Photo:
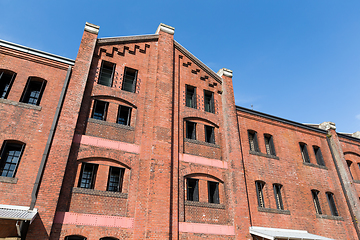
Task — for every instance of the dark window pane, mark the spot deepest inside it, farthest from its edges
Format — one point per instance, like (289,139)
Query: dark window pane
(209,134)
(253,141)
(318,155)
(129,81)
(99,110)
(10,158)
(190,130)
(6,79)
(304,153)
(106,74)
(278,197)
(213,191)
(209,101)
(316,201)
(115,179)
(87,175)
(192,189)
(33,91)
(191,96)
(331,201)
(124,115)
(269,144)
(75,238)
(259,192)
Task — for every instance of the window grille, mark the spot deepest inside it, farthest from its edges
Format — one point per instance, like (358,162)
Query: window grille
(278,197)
(259,191)
(33,91)
(87,175)
(10,158)
(269,144)
(253,141)
(115,179)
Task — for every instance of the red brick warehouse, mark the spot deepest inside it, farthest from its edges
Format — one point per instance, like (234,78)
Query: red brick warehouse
(138,139)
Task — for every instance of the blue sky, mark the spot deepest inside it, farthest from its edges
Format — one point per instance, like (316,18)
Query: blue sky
(295,59)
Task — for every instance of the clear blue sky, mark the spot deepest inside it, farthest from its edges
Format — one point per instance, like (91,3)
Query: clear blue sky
(295,59)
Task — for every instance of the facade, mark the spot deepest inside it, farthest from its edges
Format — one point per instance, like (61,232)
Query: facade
(138,139)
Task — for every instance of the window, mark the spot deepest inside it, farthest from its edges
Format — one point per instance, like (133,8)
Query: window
(108,238)
(87,175)
(348,162)
(75,237)
(209,101)
(129,81)
(124,115)
(192,189)
(213,191)
(10,157)
(331,201)
(190,96)
(253,141)
(99,110)
(190,130)
(259,191)
(278,198)
(209,134)
(6,80)
(115,179)
(106,73)
(304,152)
(269,144)
(316,201)
(33,91)
(318,155)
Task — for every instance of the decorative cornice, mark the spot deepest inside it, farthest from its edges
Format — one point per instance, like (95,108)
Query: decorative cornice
(226,72)
(165,28)
(92,28)
(197,62)
(128,39)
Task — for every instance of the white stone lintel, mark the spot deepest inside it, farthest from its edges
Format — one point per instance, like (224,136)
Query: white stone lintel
(327,125)
(92,28)
(165,28)
(226,72)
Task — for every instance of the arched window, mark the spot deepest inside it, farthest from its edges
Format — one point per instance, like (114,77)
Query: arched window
(259,192)
(316,201)
(109,238)
(318,155)
(253,142)
(75,237)
(304,152)
(332,205)
(33,91)
(11,152)
(269,144)
(278,197)
(6,80)
(348,162)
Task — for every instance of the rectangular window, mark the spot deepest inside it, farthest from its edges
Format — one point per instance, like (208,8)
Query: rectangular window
(209,101)
(100,110)
(190,130)
(209,134)
(106,73)
(87,175)
(269,144)
(190,96)
(6,80)
(316,201)
(331,201)
(115,179)
(10,158)
(318,155)
(253,141)
(278,198)
(213,191)
(129,81)
(304,152)
(124,115)
(259,192)
(192,189)
(33,91)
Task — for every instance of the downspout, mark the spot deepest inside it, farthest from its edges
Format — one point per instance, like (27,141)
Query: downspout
(49,141)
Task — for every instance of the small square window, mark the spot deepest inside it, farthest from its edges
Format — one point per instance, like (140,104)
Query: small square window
(209,101)
(33,91)
(259,191)
(209,134)
(332,205)
(192,189)
(129,80)
(213,191)
(318,155)
(304,152)
(278,198)
(106,73)
(190,130)
(6,80)
(124,115)
(115,179)
(87,175)
(269,144)
(253,143)
(100,110)
(316,201)
(10,158)
(190,96)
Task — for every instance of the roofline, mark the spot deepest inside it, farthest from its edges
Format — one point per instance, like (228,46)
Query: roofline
(197,61)
(348,137)
(36,52)
(136,38)
(282,120)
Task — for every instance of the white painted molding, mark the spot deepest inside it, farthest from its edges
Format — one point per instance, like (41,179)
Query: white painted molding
(327,125)
(165,28)
(226,72)
(92,28)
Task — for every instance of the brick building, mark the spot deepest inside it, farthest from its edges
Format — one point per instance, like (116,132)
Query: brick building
(138,139)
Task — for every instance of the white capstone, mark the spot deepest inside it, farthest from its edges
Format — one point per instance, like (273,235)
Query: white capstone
(92,28)
(165,28)
(356,134)
(327,125)
(226,72)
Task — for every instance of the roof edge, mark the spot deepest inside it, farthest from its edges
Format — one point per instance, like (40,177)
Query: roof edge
(197,61)
(135,38)
(349,137)
(36,52)
(278,119)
